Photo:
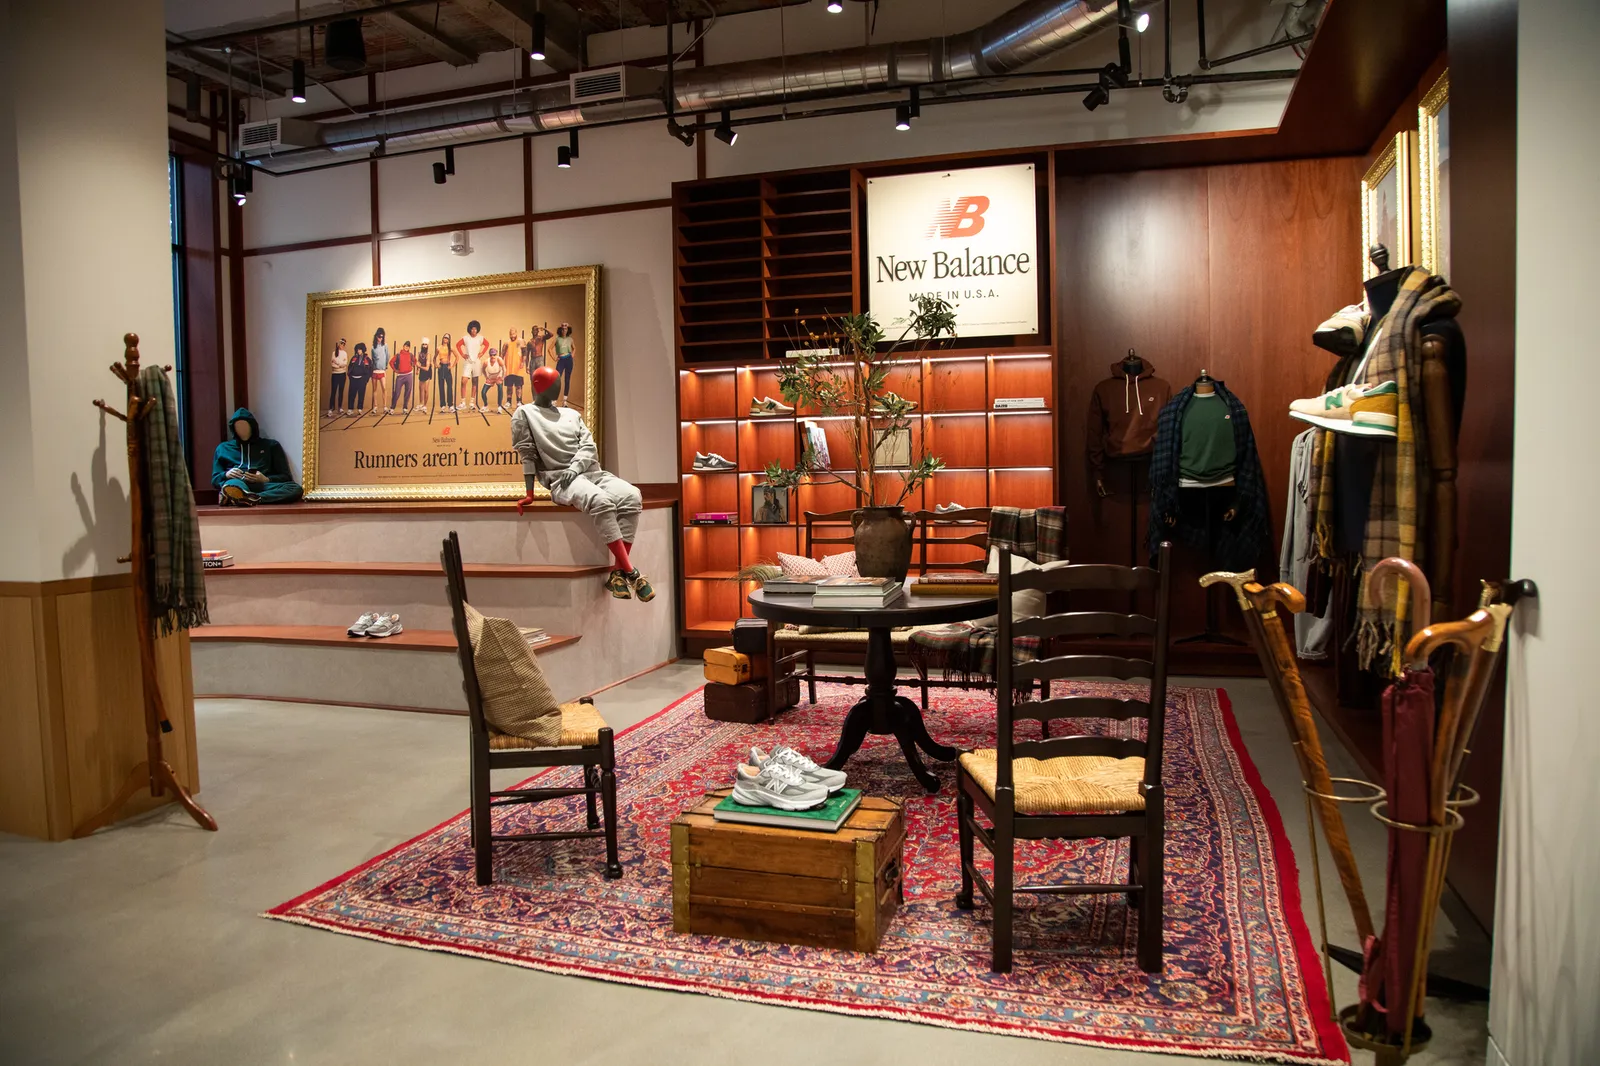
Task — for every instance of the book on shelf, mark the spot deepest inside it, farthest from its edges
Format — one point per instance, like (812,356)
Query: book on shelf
(533,634)
(1019,403)
(216,558)
(714,518)
(793,353)
(824,819)
(217,564)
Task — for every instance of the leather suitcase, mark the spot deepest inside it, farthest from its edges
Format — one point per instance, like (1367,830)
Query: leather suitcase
(750,636)
(792,886)
(737,703)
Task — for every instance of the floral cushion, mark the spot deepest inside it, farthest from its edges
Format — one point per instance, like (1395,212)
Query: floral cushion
(801,566)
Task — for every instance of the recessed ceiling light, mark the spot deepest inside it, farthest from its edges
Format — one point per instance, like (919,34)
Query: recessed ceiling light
(1142,23)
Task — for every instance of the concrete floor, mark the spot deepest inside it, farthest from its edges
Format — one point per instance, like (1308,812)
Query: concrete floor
(143,942)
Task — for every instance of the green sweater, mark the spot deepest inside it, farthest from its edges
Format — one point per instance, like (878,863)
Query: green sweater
(1207,453)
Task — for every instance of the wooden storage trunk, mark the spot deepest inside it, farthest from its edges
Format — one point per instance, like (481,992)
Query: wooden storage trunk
(792,886)
(749,702)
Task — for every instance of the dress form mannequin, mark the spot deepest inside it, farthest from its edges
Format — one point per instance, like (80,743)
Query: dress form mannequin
(1203,386)
(559,453)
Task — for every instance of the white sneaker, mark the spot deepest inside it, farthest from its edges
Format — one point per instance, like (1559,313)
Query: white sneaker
(711,461)
(387,625)
(768,406)
(362,624)
(946,508)
(783,755)
(776,785)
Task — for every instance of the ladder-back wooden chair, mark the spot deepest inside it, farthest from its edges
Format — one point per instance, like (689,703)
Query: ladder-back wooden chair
(1078,786)
(586,741)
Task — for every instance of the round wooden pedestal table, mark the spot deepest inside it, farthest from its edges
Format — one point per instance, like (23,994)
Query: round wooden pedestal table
(882,710)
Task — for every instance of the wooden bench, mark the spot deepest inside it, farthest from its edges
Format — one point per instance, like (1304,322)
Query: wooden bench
(957,540)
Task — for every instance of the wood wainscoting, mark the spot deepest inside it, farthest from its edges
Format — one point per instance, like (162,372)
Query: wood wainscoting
(70,706)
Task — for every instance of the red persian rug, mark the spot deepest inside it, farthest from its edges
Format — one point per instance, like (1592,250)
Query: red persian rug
(1242,979)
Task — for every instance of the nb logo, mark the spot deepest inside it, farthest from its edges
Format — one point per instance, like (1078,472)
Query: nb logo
(961,217)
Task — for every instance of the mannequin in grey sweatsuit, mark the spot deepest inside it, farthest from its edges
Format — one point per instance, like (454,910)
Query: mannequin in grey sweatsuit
(559,452)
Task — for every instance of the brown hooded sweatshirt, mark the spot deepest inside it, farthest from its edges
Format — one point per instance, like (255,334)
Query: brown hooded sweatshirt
(1122,414)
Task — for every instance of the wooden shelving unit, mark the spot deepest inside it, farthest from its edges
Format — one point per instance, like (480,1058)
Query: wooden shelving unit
(1003,458)
(754,257)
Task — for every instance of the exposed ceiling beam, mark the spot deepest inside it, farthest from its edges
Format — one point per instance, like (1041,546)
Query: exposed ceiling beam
(245,79)
(320,15)
(563,36)
(419,33)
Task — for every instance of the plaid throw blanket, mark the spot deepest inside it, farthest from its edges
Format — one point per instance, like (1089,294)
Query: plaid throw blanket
(966,651)
(1039,533)
(177,576)
(1402,479)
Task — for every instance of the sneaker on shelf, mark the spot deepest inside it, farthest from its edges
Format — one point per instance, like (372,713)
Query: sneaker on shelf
(387,625)
(893,400)
(768,406)
(711,461)
(776,785)
(617,585)
(641,586)
(1360,410)
(946,508)
(362,624)
(783,755)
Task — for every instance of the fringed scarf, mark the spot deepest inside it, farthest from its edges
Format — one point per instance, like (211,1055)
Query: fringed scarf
(177,575)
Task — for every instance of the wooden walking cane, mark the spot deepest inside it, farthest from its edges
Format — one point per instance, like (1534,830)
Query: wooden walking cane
(1260,606)
(155,772)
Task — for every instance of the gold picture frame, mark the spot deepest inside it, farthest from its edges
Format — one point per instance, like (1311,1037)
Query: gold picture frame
(1433,165)
(428,456)
(1386,205)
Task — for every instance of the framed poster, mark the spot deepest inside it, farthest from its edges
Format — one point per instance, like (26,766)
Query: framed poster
(431,374)
(1386,205)
(1433,151)
(971,236)
(769,505)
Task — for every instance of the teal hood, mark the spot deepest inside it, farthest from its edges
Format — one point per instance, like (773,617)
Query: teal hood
(257,453)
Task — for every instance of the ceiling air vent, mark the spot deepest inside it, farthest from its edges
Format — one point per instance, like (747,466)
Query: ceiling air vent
(263,137)
(614,83)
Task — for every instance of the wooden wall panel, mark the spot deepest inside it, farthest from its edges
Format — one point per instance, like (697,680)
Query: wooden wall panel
(1225,268)
(23,805)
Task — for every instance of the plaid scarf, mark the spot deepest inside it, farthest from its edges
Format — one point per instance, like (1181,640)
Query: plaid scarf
(1402,478)
(177,576)
(1239,543)
(1038,533)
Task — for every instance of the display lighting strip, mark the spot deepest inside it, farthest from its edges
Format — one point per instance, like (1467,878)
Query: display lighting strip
(1024,411)
(1040,355)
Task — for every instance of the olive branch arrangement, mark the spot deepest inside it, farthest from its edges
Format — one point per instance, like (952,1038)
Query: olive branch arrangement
(853,385)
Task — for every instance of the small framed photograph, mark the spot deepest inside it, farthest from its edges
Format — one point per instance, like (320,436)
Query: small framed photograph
(1433,162)
(1386,205)
(891,446)
(769,505)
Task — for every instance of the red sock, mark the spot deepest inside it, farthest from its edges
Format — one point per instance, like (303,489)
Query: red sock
(619,552)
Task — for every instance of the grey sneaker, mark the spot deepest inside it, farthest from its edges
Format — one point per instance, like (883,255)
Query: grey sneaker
(783,755)
(711,461)
(387,625)
(362,624)
(776,785)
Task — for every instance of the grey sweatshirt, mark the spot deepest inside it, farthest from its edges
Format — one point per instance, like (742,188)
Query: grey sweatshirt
(554,444)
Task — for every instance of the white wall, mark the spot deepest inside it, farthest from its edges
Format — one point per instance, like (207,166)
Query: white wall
(1546,984)
(86,167)
(19,545)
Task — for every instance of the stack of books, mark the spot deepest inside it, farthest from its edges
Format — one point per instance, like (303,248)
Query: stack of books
(1019,403)
(966,583)
(714,518)
(826,818)
(854,592)
(534,635)
(790,589)
(216,560)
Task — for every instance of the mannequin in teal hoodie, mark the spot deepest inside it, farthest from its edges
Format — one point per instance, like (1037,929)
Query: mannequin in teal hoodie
(249,468)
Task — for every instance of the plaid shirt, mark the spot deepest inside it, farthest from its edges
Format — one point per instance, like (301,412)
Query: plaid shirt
(1239,544)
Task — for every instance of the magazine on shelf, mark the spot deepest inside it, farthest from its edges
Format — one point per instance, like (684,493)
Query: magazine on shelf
(825,819)
(1019,403)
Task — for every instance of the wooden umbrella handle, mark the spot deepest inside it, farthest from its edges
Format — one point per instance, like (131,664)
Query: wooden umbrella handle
(1416,581)
(1254,596)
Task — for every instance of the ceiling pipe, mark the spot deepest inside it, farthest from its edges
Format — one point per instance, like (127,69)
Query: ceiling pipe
(1029,32)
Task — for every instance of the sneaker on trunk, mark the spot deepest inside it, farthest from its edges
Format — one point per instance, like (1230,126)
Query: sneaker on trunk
(776,785)
(1360,410)
(783,755)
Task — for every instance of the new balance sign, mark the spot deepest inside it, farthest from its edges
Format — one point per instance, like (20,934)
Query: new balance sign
(970,236)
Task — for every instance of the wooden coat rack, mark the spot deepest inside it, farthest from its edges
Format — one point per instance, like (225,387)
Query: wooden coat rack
(155,772)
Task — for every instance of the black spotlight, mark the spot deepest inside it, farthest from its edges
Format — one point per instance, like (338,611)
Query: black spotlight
(241,183)
(902,117)
(439,174)
(572,143)
(298,75)
(915,103)
(563,156)
(536,48)
(449,159)
(1112,76)
(1096,97)
(725,131)
(343,47)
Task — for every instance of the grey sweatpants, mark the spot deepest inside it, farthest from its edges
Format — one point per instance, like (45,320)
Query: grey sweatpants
(613,503)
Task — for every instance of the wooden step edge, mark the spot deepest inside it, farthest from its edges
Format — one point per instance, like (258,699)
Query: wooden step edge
(390,569)
(336,637)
